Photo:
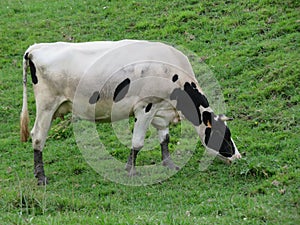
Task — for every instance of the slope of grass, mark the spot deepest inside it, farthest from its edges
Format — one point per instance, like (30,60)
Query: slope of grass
(252,47)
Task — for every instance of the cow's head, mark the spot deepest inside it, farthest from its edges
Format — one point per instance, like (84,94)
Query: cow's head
(217,136)
(211,128)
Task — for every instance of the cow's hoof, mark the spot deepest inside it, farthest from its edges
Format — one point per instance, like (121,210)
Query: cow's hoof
(42,181)
(169,163)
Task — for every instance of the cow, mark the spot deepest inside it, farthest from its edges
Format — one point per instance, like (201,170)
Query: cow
(151,81)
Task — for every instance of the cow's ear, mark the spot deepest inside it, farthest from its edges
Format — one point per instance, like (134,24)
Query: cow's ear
(224,118)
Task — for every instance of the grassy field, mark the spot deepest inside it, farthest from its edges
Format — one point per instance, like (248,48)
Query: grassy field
(251,46)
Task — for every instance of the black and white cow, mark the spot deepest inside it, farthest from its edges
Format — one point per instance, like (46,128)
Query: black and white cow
(110,81)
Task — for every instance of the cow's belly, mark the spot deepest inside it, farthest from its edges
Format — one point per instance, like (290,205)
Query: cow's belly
(108,111)
(103,111)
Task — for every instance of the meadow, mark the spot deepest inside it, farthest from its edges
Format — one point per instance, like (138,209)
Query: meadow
(252,48)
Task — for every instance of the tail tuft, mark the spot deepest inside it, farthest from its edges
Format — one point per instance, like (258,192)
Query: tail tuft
(24,122)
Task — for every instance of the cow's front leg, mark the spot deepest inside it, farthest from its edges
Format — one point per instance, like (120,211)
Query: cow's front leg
(164,142)
(130,166)
(143,117)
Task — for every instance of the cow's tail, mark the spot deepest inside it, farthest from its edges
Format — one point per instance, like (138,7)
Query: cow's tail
(24,119)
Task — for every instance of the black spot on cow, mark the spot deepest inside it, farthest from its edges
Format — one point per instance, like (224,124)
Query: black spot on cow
(213,139)
(175,78)
(186,105)
(218,136)
(189,101)
(32,71)
(207,135)
(148,107)
(207,117)
(121,90)
(26,56)
(227,148)
(95,97)
(135,119)
(196,96)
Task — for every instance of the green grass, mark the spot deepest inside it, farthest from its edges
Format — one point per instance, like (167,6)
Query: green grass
(252,47)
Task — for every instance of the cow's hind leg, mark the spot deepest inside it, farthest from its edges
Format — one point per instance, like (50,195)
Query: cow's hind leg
(39,134)
(39,172)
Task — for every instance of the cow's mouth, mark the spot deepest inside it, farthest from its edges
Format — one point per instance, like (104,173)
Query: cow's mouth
(226,160)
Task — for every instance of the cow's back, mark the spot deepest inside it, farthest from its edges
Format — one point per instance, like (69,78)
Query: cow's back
(74,59)
(82,69)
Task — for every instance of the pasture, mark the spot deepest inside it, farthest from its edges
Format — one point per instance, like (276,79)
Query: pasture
(252,49)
